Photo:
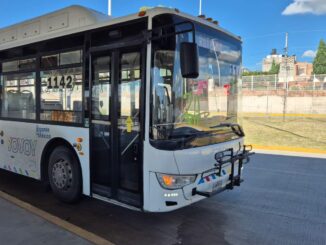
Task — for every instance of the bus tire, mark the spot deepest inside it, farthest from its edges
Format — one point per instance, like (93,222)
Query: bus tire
(65,175)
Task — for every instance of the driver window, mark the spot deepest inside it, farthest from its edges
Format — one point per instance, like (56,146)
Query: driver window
(162,89)
(18,95)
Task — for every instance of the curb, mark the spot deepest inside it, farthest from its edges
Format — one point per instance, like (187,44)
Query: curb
(289,149)
(89,236)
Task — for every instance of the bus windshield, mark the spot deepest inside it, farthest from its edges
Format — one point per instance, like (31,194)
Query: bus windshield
(194,112)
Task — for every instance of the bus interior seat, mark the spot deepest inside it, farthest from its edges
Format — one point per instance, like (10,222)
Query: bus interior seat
(20,103)
(77,105)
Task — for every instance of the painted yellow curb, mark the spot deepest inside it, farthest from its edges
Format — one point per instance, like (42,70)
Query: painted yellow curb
(258,114)
(288,148)
(91,237)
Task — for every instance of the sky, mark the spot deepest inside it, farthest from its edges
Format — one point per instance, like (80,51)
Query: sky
(261,23)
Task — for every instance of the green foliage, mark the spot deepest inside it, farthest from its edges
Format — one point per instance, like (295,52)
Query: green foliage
(275,68)
(254,73)
(320,59)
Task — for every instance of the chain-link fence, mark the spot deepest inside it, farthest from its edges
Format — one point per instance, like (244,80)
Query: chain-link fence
(275,82)
(287,112)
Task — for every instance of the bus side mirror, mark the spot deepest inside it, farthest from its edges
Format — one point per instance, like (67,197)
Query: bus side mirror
(189,60)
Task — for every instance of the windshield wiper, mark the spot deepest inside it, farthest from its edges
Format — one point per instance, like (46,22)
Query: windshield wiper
(236,128)
(190,135)
(188,138)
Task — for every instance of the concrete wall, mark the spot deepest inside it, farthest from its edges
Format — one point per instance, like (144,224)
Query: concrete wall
(275,104)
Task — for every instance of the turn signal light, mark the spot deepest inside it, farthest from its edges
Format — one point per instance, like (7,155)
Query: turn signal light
(168,180)
(172,182)
(142,13)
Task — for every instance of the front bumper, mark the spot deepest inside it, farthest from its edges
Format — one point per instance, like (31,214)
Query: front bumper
(225,175)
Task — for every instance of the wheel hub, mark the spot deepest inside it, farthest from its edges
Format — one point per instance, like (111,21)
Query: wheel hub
(62,174)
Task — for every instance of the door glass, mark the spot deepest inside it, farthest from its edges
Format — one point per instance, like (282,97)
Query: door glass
(101,90)
(101,125)
(128,123)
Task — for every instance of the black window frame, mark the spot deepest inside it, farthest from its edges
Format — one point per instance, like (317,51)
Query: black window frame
(176,19)
(38,52)
(19,72)
(85,41)
(62,67)
(59,52)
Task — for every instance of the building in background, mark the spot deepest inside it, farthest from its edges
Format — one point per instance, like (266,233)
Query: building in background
(245,70)
(303,71)
(269,59)
(290,68)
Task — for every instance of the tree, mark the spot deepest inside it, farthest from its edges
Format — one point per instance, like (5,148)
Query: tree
(275,68)
(320,59)
(254,73)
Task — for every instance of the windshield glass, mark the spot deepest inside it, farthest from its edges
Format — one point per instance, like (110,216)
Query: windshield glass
(185,112)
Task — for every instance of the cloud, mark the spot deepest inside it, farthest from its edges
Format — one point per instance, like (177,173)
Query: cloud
(309,54)
(317,7)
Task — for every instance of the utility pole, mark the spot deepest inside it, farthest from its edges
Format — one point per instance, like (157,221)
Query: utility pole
(200,7)
(286,51)
(109,8)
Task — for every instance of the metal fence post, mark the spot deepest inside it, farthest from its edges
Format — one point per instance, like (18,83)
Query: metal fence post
(252,83)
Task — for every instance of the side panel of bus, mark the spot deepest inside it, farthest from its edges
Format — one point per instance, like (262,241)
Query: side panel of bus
(22,145)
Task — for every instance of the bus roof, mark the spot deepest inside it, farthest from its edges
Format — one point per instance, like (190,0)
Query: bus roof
(74,19)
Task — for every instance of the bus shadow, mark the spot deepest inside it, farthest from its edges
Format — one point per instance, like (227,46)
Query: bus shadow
(195,224)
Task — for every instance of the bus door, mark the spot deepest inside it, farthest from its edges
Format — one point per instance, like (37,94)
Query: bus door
(116,145)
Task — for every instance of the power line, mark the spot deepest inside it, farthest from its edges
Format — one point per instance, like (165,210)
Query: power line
(265,35)
(305,31)
(282,33)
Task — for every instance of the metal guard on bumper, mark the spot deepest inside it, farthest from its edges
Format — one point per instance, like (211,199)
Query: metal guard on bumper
(226,157)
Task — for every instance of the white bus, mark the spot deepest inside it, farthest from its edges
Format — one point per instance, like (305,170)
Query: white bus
(140,111)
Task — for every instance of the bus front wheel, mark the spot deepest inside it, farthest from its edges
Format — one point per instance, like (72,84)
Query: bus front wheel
(65,175)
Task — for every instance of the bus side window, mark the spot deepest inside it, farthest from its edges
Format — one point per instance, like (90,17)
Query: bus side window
(61,95)
(61,87)
(18,96)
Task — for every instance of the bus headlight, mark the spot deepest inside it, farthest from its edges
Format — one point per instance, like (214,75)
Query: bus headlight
(173,182)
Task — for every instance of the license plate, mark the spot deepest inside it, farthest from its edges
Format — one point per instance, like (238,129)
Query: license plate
(217,185)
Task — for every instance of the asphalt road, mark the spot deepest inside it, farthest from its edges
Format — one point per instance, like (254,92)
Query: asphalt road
(282,201)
